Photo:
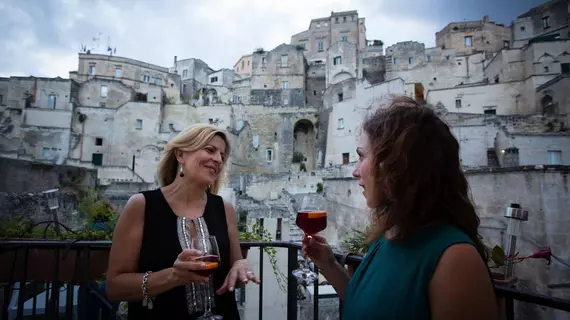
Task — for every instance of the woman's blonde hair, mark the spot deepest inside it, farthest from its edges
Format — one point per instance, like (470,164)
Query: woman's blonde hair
(193,138)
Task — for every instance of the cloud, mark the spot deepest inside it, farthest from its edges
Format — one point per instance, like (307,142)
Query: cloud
(42,38)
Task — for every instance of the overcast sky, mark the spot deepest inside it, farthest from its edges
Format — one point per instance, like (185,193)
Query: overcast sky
(42,37)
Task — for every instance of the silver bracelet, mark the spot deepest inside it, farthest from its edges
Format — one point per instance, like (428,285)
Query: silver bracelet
(146,301)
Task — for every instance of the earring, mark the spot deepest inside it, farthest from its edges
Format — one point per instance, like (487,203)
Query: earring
(181,173)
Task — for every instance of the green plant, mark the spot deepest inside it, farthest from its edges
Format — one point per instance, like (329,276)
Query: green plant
(259,234)
(170,100)
(300,47)
(259,50)
(499,257)
(303,167)
(96,208)
(355,242)
(319,187)
(196,95)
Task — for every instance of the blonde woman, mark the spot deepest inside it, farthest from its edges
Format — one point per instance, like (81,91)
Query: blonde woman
(147,265)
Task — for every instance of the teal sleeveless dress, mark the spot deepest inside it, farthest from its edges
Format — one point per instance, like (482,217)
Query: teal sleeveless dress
(392,282)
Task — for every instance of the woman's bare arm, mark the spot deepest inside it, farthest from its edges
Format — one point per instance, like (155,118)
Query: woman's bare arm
(461,287)
(123,283)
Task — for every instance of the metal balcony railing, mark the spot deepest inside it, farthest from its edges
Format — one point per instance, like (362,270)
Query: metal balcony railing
(58,280)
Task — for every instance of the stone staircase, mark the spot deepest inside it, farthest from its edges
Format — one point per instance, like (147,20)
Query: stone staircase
(295,234)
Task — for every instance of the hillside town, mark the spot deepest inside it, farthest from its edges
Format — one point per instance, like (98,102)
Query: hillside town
(293,114)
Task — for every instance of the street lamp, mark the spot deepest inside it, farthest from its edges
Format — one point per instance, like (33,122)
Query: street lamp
(515,215)
(53,204)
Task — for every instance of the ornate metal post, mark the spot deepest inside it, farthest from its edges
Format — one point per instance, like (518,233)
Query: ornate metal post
(515,215)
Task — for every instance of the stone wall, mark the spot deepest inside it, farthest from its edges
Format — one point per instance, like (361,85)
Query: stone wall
(19,176)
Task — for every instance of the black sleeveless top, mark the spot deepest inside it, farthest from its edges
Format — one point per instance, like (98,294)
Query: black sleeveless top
(160,248)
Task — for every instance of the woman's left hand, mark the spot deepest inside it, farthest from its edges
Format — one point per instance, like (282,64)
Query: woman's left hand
(239,272)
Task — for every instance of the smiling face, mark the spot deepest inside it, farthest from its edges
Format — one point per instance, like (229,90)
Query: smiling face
(362,171)
(204,165)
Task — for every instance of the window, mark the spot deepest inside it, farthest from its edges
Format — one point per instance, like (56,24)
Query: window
(92,70)
(185,73)
(428,58)
(147,79)
(546,69)
(102,104)
(468,41)
(490,112)
(158,81)
(98,141)
(213,79)
(337,60)
(1,99)
(340,123)
(285,102)
(97,159)
(321,44)
(522,28)
(395,60)
(546,22)
(343,19)
(345,38)
(46,154)
(345,158)
(236,99)
(284,61)
(239,124)
(285,85)
(411,60)
(103,91)
(506,44)
(340,97)
(51,101)
(335,20)
(314,92)
(458,103)
(278,230)
(554,157)
(243,64)
(269,155)
(263,60)
(565,68)
(139,124)
(118,72)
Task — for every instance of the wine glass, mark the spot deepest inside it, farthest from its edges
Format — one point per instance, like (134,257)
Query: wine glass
(312,219)
(211,258)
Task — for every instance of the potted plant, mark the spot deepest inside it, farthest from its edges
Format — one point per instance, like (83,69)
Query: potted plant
(499,259)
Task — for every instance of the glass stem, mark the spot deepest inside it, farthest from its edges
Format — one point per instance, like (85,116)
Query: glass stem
(207,299)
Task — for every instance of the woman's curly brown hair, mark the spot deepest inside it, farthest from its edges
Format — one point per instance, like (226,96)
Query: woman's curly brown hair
(418,176)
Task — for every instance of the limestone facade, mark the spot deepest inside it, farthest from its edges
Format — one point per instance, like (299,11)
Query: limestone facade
(549,20)
(468,37)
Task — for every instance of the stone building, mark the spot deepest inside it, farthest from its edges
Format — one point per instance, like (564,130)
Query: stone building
(243,66)
(278,77)
(324,32)
(468,37)
(527,80)
(548,20)
(150,82)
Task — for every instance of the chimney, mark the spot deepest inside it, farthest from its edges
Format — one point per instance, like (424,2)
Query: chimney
(175,59)
(485,18)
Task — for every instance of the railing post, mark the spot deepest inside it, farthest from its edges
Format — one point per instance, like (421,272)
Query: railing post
(291,283)
(316,295)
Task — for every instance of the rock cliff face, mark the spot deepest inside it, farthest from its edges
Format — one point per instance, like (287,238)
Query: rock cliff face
(34,206)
